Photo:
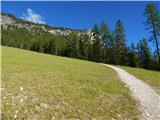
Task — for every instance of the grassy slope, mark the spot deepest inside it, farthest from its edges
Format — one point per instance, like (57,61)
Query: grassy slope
(149,76)
(61,88)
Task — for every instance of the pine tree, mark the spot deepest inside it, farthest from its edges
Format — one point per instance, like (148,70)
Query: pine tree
(104,33)
(95,46)
(155,64)
(120,43)
(71,48)
(49,47)
(96,50)
(144,54)
(110,50)
(83,47)
(132,56)
(153,22)
(95,29)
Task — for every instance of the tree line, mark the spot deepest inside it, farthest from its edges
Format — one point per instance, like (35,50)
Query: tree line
(107,47)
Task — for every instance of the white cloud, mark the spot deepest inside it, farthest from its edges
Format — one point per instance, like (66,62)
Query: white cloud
(32,17)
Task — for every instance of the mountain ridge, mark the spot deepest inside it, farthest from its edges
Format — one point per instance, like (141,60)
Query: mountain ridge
(10,20)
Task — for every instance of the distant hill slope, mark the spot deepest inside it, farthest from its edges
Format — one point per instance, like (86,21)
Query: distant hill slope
(46,39)
(9,21)
(44,87)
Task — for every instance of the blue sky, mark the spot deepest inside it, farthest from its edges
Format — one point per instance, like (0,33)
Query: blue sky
(82,15)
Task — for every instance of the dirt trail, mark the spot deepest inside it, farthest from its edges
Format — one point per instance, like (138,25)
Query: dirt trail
(149,100)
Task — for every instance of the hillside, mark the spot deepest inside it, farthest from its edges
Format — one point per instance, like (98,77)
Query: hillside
(39,86)
(99,44)
(10,22)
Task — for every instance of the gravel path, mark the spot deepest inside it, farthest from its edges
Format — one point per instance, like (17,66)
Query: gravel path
(149,100)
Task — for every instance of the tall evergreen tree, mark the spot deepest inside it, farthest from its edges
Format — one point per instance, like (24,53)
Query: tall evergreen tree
(144,54)
(96,44)
(96,49)
(95,29)
(83,47)
(104,33)
(153,22)
(132,56)
(71,48)
(49,46)
(155,64)
(112,51)
(120,42)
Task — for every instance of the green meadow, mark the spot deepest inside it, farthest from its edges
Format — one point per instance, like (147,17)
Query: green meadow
(38,86)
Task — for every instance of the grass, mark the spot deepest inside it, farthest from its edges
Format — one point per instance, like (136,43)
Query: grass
(150,77)
(37,86)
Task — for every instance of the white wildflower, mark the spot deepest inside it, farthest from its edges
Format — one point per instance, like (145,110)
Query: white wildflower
(53,118)
(15,116)
(13,97)
(35,100)
(148,114)
(44,105)
(16,111)
(21,88)
(4,97)
(21,100)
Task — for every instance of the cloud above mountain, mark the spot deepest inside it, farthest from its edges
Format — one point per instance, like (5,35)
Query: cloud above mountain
(33,16)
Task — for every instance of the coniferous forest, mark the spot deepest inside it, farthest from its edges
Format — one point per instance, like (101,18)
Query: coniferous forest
(109,46)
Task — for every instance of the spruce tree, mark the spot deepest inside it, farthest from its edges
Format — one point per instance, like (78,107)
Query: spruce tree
(96,49)
(144,54)
(153,23)
(132,56)
(104,33)
(71,48)
(83,47)
(120,43)
(95,29)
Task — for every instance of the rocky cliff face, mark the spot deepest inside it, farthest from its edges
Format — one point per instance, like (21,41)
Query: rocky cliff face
(6,20)
(10,21)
